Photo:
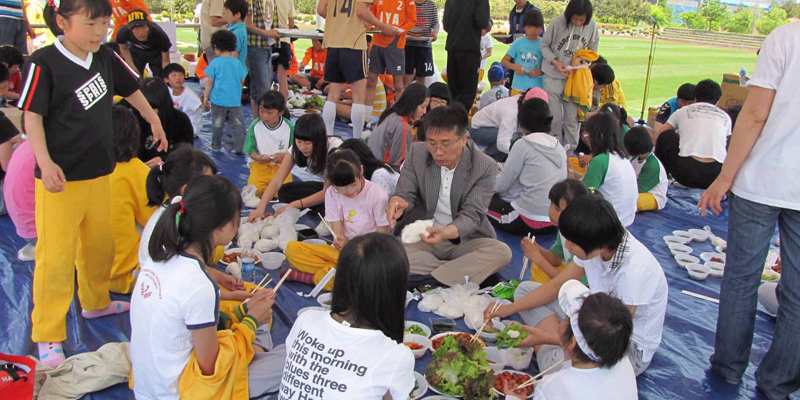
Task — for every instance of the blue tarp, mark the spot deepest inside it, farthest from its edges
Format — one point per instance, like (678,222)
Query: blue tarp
(680,368)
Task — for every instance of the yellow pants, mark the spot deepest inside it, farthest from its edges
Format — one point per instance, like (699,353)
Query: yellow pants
(537,275)
(647,202)
(315,259)
(575,165)
(261,174)
(72,227)
(480,74)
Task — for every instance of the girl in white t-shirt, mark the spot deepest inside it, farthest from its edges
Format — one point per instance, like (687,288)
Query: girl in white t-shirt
(165,183)
(355,350)
(609,171)
(175,305)
(594,337)
(309,150)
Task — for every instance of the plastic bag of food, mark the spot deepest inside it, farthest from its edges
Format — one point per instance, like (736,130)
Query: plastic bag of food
(430,302)
(412,231)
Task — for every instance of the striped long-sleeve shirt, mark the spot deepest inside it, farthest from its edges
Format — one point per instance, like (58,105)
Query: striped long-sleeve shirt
(427,21)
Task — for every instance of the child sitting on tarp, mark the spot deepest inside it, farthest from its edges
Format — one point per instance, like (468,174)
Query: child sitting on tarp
(547,263)
(176,350)
(650,173)
(353,206)
(268,140)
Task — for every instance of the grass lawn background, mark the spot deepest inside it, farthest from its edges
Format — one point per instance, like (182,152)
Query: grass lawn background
(674,63)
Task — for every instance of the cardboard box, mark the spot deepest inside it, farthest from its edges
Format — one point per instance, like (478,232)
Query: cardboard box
(732,93)
(15,115)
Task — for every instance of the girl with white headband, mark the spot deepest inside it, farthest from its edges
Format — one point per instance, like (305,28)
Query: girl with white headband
(594,337)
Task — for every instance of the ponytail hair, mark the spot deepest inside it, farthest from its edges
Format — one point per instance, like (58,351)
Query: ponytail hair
(166,180)
(209,203)
(67,8)
(343,168)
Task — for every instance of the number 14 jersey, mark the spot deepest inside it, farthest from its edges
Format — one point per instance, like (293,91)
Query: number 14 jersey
(343,28)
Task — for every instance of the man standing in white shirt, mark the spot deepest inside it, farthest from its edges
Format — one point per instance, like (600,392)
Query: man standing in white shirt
(691,145)
(449,180)
(764,192)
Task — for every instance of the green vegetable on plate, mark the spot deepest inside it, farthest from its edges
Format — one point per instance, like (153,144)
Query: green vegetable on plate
(512,336)
(415,330)
(459,368)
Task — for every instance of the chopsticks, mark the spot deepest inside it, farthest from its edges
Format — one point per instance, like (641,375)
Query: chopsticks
(258,287)
(275,289)
(524,262)
(533,381)
(327,226)
(261,283)
(700,296)
(474,337)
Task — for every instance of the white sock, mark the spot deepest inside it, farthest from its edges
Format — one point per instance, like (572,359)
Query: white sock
(329,116)
(367,114)
(357,113)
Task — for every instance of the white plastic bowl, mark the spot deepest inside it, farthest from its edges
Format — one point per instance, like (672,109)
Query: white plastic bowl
(706,257)
(699,235)
(698,272)
(409,297)
(492,336)
(424,327)
(496,358)
(672,239)
(325,300)
(420,340)
(717,269)
(300,227)
(315,241)
(272,260)
(685,259)
(721,249)
(676,249)
(683,235)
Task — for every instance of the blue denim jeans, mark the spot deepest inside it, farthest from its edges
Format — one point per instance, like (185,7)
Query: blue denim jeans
(750,228)
(13,31)
(259,63)
(487,136)
(234,117)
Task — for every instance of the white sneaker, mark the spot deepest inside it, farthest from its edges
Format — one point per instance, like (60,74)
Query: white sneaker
(27,252)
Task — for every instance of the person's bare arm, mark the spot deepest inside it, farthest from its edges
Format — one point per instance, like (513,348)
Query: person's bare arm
(218,21)
(506,63)
(322,8)
(164,59)
(128,57)
(138,102)
(28,28)
(663,128)
(488,54)
(542,295)
(748,128)
(206,348)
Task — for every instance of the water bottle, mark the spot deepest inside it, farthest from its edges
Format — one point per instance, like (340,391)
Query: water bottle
(742,77)
(248,259)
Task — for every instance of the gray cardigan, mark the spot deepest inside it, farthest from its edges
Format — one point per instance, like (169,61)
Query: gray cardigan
(473,187)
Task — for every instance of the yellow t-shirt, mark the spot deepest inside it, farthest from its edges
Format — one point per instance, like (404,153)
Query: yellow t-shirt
(284,9)
(613,94)
(128,209)
(343,28)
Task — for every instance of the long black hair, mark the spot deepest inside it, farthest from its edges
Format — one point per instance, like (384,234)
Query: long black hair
(413,96)
(311,127)
(156,91)
(370,283)
(209,203)
(126,133)
(68,8)
(603,130)
(368,159)
(534,116)
(343,167)
(167,179)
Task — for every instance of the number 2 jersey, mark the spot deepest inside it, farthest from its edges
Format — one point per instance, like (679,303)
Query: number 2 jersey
(74,98)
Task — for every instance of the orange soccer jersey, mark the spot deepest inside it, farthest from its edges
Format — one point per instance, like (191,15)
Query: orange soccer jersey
(317,57)
(399,13)
(120,10)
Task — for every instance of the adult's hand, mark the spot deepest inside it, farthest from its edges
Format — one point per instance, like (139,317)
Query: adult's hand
(151,163)
(395,209)
(436,234)
(712,197)
(255,214)
(160,137)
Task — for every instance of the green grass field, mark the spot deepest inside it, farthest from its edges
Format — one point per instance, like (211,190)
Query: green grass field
(674,63)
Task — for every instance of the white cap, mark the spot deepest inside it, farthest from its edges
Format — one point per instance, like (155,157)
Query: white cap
(570,299)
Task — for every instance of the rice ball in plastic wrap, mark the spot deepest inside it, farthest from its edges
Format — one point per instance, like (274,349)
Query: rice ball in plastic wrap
(449,310)
(430,302)
(234,270)
(248,239)
(412,231)
(270,231)
(266,245)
